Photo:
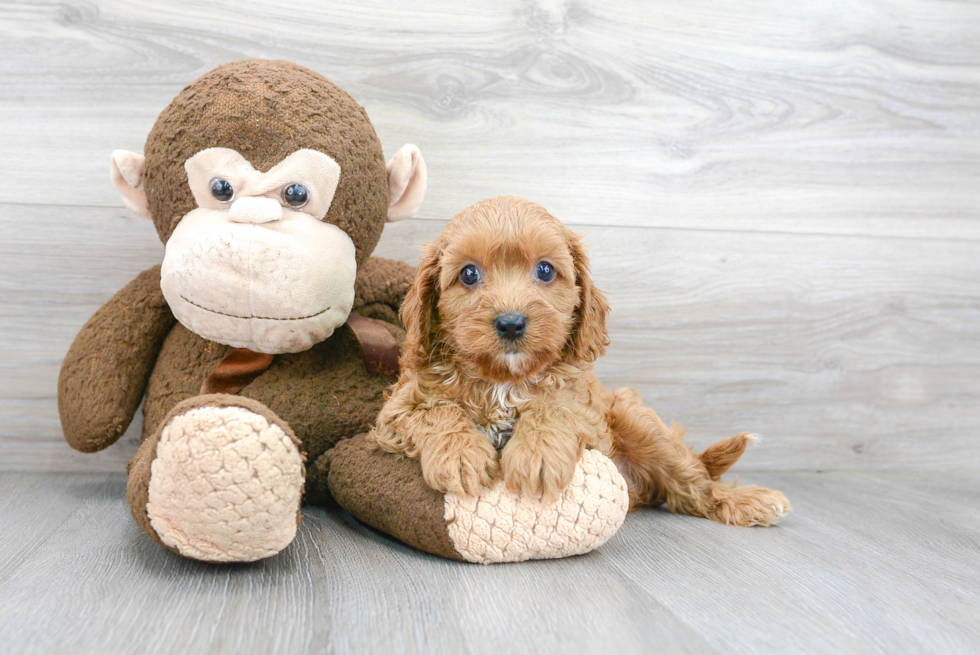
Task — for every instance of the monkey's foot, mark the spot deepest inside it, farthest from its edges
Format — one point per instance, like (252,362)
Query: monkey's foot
(225,482)
(500,525)
(497,526)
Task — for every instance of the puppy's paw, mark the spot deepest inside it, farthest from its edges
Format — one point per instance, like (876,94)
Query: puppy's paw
(461,464)
(538,471)
(750,505)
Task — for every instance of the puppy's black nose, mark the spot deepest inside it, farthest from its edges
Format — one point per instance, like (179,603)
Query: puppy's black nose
(510,325)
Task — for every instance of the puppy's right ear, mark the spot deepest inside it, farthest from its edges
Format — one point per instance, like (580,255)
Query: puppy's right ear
(589,334)
(418,311)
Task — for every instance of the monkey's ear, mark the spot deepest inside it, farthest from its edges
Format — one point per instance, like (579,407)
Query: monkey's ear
(406,183)
(126,172)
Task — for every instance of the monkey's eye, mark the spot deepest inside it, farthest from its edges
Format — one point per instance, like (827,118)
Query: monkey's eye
(222,190)
(545,272)
(470,275)
(295,195)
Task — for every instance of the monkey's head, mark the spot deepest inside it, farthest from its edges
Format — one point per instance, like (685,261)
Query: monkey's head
(268,186)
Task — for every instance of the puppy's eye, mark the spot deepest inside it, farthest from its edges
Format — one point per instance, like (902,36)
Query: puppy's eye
(470,275)
(545,272)
(295,195)
(222,190)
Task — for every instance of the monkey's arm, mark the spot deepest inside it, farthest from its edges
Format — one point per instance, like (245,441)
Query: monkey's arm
(389,493)
(380,288)
(106,370)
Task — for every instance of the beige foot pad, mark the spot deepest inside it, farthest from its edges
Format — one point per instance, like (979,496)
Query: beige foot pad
(226,485)
(502,526)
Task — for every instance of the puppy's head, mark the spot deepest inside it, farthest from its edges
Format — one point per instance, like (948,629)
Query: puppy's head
(504,292)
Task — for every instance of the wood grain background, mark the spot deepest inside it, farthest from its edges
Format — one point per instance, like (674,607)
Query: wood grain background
(782,198)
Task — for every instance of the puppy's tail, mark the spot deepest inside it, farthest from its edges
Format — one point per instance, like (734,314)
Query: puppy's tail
(720,456)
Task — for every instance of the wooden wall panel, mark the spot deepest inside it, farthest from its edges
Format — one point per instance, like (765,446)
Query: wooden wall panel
(841,351)
(783,199)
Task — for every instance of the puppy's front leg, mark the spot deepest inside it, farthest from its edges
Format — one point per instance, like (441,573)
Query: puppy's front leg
(454,455)
(540,458)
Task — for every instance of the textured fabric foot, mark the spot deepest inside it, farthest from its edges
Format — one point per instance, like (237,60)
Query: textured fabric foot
(388,493)
(502,526)
(225,486)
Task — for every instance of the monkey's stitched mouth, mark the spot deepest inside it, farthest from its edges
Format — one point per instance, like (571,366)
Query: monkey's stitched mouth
(262,318)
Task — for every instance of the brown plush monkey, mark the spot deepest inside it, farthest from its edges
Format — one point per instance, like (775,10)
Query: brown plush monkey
(269,334)
(268,185)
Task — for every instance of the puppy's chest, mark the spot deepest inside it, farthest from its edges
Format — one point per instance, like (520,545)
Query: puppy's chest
(499,430)
(497,417)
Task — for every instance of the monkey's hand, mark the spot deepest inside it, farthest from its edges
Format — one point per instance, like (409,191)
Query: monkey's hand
(106,370)
(380,288)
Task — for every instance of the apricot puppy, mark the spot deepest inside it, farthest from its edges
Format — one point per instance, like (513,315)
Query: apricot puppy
(503,326)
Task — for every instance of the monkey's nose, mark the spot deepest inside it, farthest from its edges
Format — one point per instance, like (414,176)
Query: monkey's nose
(510,326)
(255,209)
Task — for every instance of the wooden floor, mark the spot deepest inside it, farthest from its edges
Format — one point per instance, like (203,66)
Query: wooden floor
(867,563)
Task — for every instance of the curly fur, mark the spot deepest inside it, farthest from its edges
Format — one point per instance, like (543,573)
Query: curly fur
(464,391)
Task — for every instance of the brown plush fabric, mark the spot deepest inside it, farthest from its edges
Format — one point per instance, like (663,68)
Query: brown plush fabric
(138,487)
(388,493)
(382,281)
(382,312)
(317,487)
(266,110)
(325,393)
(104,374)
(133,344)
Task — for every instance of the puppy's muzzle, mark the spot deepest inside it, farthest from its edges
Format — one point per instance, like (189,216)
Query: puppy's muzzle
(510,326)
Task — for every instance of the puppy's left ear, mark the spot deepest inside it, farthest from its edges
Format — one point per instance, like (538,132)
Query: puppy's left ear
(589,335)
(418,311)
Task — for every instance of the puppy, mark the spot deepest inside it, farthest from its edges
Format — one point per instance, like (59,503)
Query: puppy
(503,325)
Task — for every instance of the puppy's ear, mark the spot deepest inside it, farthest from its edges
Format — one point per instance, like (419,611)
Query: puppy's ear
(418,312)
(589,335)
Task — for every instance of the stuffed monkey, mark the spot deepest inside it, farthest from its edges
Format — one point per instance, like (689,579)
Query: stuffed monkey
(268,334)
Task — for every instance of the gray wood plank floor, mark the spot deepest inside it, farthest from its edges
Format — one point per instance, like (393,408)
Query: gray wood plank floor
(882,562)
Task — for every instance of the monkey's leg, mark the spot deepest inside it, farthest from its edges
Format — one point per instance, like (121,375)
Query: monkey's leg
(388,493)
(220,480)
(660,468)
